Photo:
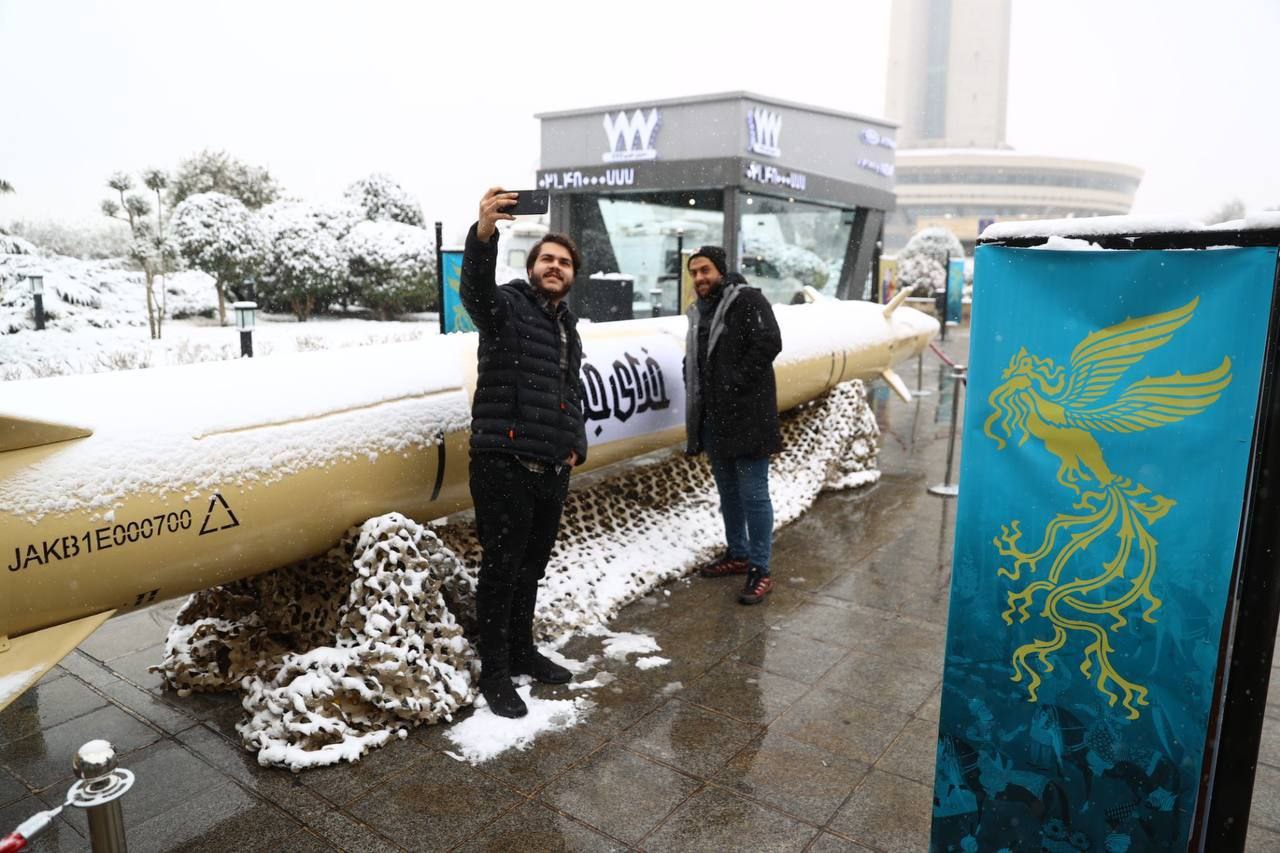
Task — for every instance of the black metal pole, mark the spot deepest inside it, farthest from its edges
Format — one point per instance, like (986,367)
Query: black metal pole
(440,270)
(679,270)
(246,343)
(39,312)
(1244,662)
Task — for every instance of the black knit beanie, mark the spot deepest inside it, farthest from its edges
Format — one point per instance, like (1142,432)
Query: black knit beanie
(714,254)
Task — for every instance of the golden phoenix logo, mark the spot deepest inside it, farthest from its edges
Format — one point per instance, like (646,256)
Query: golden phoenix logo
(1065,408)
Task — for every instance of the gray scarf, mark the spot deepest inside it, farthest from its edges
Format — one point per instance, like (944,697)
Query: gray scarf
(692,375)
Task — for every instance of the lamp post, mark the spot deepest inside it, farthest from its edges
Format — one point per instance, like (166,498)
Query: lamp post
(246,317)
(679,270)
(37,293)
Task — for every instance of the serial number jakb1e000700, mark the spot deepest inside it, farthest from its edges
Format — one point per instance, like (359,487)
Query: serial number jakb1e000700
(99,539)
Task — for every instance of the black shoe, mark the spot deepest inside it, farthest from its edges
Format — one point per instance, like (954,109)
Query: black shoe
(502,697)
(724,566)
(758,586)
(540,667)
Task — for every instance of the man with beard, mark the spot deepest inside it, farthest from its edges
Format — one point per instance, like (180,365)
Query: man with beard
(527,432)
(731,411)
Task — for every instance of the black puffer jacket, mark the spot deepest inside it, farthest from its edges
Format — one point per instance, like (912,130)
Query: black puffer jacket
(525,404)
(735,391)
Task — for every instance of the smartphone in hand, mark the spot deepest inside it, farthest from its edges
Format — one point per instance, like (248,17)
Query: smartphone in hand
(528,203)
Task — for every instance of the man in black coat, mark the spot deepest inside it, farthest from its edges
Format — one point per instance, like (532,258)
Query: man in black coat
(731,412)
(527,432)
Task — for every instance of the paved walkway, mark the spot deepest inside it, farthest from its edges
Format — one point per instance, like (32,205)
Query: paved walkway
(806,723)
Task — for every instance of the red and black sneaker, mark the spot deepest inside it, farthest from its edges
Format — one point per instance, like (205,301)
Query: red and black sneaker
(758,586)
(724,566)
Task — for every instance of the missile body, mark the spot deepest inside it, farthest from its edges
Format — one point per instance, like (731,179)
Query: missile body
(119,490)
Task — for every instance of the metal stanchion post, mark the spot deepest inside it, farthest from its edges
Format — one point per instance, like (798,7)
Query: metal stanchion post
(920,390)
(655,298)
(947,489)
(98,792)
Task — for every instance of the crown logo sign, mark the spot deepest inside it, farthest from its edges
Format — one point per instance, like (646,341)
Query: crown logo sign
(765,128)
(631,137)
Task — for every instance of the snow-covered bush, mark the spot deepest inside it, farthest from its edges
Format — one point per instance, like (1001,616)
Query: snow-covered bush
(790,261)
(393,266)
(109,240)
(304,266)
(922,264)
(381,197)
(217,171)
(218,235)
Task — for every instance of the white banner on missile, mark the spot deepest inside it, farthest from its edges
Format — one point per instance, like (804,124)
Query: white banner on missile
(631,386)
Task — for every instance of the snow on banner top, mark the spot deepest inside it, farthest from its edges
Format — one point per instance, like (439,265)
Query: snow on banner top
(1105,226)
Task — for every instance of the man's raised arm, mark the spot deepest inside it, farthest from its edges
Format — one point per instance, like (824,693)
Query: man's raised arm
(477,287)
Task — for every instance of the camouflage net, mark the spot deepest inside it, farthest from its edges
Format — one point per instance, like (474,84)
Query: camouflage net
(332,664)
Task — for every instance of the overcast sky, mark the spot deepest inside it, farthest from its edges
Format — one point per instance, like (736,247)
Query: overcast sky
(442,95)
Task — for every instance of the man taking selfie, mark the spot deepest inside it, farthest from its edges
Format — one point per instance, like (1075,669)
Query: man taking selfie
(731,411)
(527,432)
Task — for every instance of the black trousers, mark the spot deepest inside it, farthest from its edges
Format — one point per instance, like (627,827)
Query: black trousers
(517,518)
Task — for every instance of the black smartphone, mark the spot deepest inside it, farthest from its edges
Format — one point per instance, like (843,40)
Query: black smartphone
(528,202)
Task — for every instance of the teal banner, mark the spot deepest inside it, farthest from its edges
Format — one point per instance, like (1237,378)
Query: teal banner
(455,316)
(1112,398)
(955,290)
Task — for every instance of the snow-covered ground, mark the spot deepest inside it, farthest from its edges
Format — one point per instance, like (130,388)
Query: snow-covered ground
(96,320)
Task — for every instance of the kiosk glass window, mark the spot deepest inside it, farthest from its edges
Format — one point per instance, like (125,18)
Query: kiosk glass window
(643,232)
(789,244)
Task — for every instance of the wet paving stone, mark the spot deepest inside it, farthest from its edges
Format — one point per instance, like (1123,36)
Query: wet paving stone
(88,670)
(433,805)
(790,655)
(619,792)
(692,739)
(744,692)
(221,818)
(840,624)
(881,681)
(529,769)
(1265,811)
(888,813)
(828,843)
(136,668)
(160,714)
(714,819)
(350,835)
(794,777)
(1261,840)
(11,789)
(52,701)
(282,787)
(914,754)
(305,841)
(620,704)
(124,635)
(342,783)
(536,828)
(841,725)
(43,759)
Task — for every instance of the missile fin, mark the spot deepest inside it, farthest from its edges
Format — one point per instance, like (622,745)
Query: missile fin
(17,433)
(895,382)
(29,657)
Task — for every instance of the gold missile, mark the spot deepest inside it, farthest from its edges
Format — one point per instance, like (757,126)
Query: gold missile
(120,490)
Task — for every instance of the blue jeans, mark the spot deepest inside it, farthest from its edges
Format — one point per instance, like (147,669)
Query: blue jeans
(745,505)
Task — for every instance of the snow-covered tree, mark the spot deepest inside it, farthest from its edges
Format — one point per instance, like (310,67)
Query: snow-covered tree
(394,267)
(922,263)
(381,197)
(217,171)
(1228,211)
(5,186)
(148,248)
(303,264)
(218,235)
